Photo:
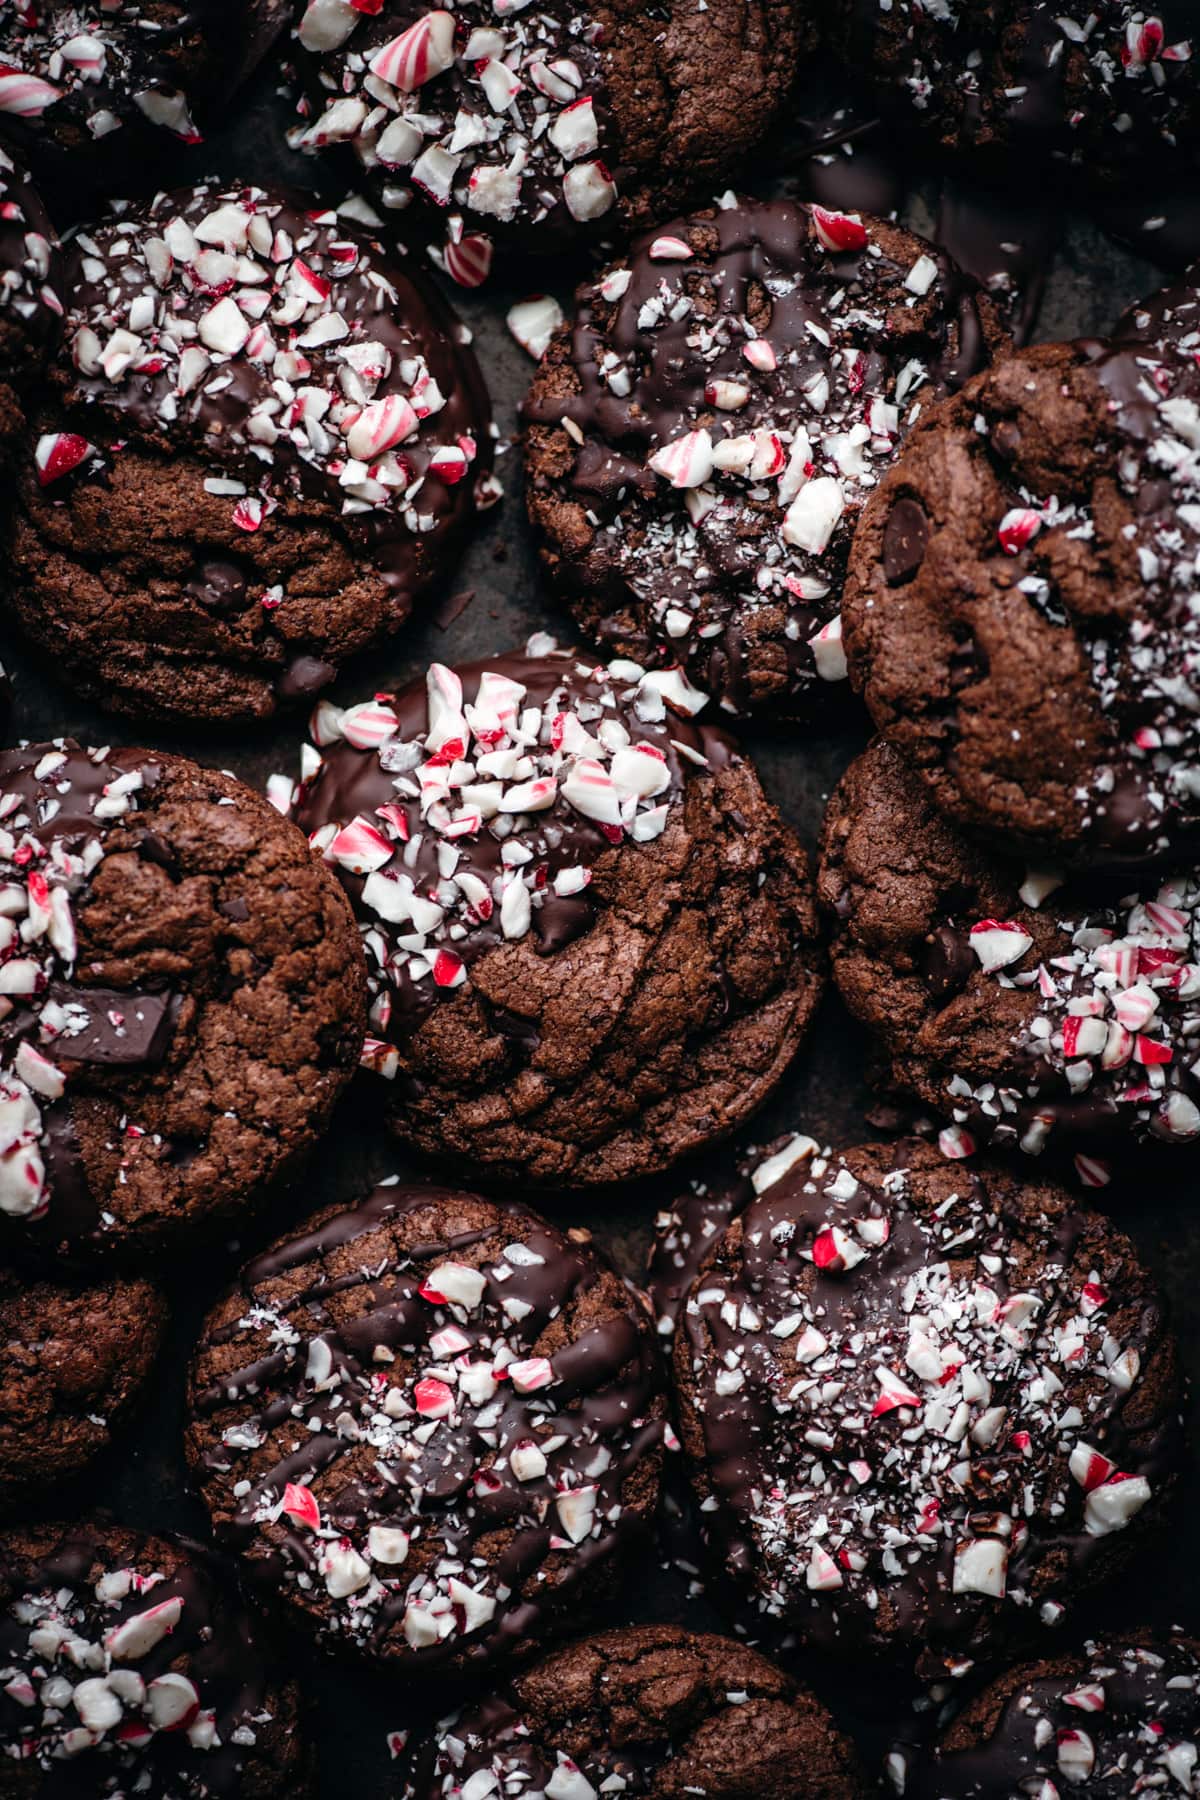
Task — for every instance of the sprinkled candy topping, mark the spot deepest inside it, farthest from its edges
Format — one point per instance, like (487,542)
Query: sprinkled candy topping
(428,1411)
(493,113)
(473,809)
(743,379)
(291,353)
(906,1384)
(30,275)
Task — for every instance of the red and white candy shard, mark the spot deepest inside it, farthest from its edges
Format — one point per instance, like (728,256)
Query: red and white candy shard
(496,118)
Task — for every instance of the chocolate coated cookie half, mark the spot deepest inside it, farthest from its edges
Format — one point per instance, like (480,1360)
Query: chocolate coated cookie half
(182,999)
(538,125)
(646,1710)
(1021,606)
(925,1407)
(131,1667)
(1120,1717)
(591,939)
(431,1425)
(1026,1011)
(73,1362)
(702,435)
(1109,92)
(261,441)
(31,283)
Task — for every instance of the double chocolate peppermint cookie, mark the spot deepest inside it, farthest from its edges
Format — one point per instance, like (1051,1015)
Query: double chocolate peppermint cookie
(647,1710)
(1105,91)
(128,1665)
(1172,315)
(1020,611)
(1024,1011)
(925,1407)
(591,939)
(1120,1718)
(73,1361)
(702,436)
(431,1425)
(181,999)
(537,125)
(31,279)
(261,441)
(86,88)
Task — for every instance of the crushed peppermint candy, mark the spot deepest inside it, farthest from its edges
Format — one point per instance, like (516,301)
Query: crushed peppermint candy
(743,380)
(910,1381)
(30,271)
(425,1414)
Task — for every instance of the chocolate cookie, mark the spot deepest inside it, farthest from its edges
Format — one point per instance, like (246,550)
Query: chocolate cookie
(31,279)
(130,1667)
(591,939)
(647,1710)
(181,999)
(86,87)
(539,125)
(1103,91)
(73,1360)
(702,435)
(261,441)
(1121,1718)
(1019,608)
(431,1425)
(1171,315)
(925,1407)
(1057,1018)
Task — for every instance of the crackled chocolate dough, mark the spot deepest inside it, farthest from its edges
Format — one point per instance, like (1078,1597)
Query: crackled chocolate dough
(1058,1017)
(537,125)
(1120,1717)
(702,435)
(925,1406)
(261,441)
(649,1710)
(591,939)
(431,1425)
(182,999)
(1020,611)
(73,1361)
(131,1667)
(1108,92)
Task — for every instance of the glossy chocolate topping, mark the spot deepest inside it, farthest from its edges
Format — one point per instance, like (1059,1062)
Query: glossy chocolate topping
(31,275)
(432,1421)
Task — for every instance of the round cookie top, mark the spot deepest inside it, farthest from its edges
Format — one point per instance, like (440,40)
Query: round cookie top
(539,124)
(130,1666)
(313,403)
(181,998)
(645,1710)
(31,279)
(923,1405)
(702,436)
(1118,1719)
(431,1424)
(1057,1018)
(591,939)
(1020,610)
(73,1360)
(1105,90)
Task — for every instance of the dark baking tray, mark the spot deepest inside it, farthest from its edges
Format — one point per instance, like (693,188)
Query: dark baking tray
(1089,281)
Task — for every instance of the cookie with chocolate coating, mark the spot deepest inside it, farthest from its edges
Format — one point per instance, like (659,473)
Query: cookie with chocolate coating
(591,939)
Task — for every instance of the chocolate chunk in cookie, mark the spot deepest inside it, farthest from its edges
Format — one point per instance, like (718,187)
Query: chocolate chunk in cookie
(647,1710)
(73,1362)
(182,999)
(539,125)
(1121,1717)
(131,1667)
(261,441)
(1021,607)
(703,434)
(925,1407)
(431,1425)
(1025,1011)
(591,938)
